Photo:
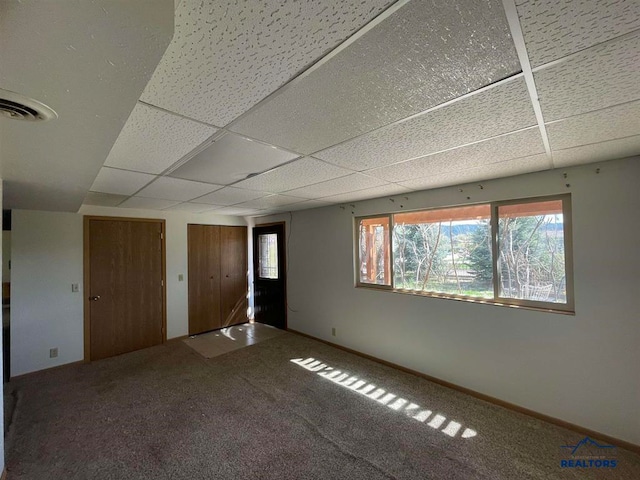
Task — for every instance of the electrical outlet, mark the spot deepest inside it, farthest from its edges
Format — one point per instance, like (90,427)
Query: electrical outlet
(53,352)
(75,287)
(333,332)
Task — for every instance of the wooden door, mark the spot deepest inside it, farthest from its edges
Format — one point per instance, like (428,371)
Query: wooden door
(269,284)
(233,275)
(125,279)
(204,278)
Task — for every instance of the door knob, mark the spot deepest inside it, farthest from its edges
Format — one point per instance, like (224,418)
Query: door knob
(95,298)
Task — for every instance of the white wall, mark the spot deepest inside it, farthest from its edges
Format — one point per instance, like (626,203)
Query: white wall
(47,259)
(45,313)
(582,369)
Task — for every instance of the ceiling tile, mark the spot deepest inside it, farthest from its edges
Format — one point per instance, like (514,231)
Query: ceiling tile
(236,211)
(376,192)
(555,28)
(306,205)
(599,126)
(420,56)
(350,183)
(232,158)
(191,207)
(599,77)
(508,168)
(520,144)
(227,56)
(229,196)
(299,173)
(501,109)
(152,140)
(120,182)
(271,201)
(167,188)
(148,203)
(103,199)
(598,152)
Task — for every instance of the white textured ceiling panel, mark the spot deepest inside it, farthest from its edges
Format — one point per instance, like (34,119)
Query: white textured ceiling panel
(299,173)
(148,203)
(232,158)
(103,199)
(599,77)
(228,55)
(120,182)
(520,144)
(271,201)
(152,140)
(350,183)
(306,205)
(594,127)
(376,192)
(422,55)
(167,188)
(555,28)
(237,211)
(508,168)
(190,207)
(89,61)
(597,152)
(495,111)
(229,196)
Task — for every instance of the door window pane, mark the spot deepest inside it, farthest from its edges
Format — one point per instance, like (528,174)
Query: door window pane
(268,256)
(531,251)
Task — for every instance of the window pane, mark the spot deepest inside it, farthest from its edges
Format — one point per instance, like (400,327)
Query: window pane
(531,251)
(373,236)
(268,256)
(444,251)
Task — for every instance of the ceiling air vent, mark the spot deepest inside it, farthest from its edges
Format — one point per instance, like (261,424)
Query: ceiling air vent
(19,107)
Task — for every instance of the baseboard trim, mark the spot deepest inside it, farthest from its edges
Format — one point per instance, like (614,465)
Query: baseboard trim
(28,374)
(496,401)
(176,339)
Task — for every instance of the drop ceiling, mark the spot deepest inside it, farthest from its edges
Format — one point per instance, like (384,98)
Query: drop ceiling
(258,107)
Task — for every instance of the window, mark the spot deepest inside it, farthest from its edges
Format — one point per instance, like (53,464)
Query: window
(373,248)
(513,253)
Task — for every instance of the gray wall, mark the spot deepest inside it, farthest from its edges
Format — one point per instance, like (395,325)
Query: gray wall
(582,369)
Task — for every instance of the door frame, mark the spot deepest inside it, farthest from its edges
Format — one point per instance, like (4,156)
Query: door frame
(284,262)
(87,274)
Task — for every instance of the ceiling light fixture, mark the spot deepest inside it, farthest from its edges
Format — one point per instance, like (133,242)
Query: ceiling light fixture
(18,107)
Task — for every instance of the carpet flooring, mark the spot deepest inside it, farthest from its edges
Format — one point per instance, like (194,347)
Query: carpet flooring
(168,413)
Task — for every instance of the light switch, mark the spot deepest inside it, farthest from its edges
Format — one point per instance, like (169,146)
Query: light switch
(180,277)
(75,287)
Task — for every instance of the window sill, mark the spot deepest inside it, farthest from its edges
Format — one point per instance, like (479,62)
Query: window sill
(483,301)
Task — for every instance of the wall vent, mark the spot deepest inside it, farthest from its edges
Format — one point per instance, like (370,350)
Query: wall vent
(19,107)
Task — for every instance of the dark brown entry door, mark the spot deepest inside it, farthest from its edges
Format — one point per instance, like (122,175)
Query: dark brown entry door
(269,284)
(204,278)
(126,292)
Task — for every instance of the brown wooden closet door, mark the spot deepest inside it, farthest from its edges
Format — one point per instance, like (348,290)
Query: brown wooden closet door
(233,293)
(126,293)
(204,278)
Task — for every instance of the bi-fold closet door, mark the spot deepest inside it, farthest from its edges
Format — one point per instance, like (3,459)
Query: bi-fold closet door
(217,276)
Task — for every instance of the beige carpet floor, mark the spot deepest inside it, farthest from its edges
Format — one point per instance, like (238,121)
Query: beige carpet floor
(285,408)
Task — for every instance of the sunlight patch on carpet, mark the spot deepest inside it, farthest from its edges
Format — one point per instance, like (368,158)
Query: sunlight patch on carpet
(383,397)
